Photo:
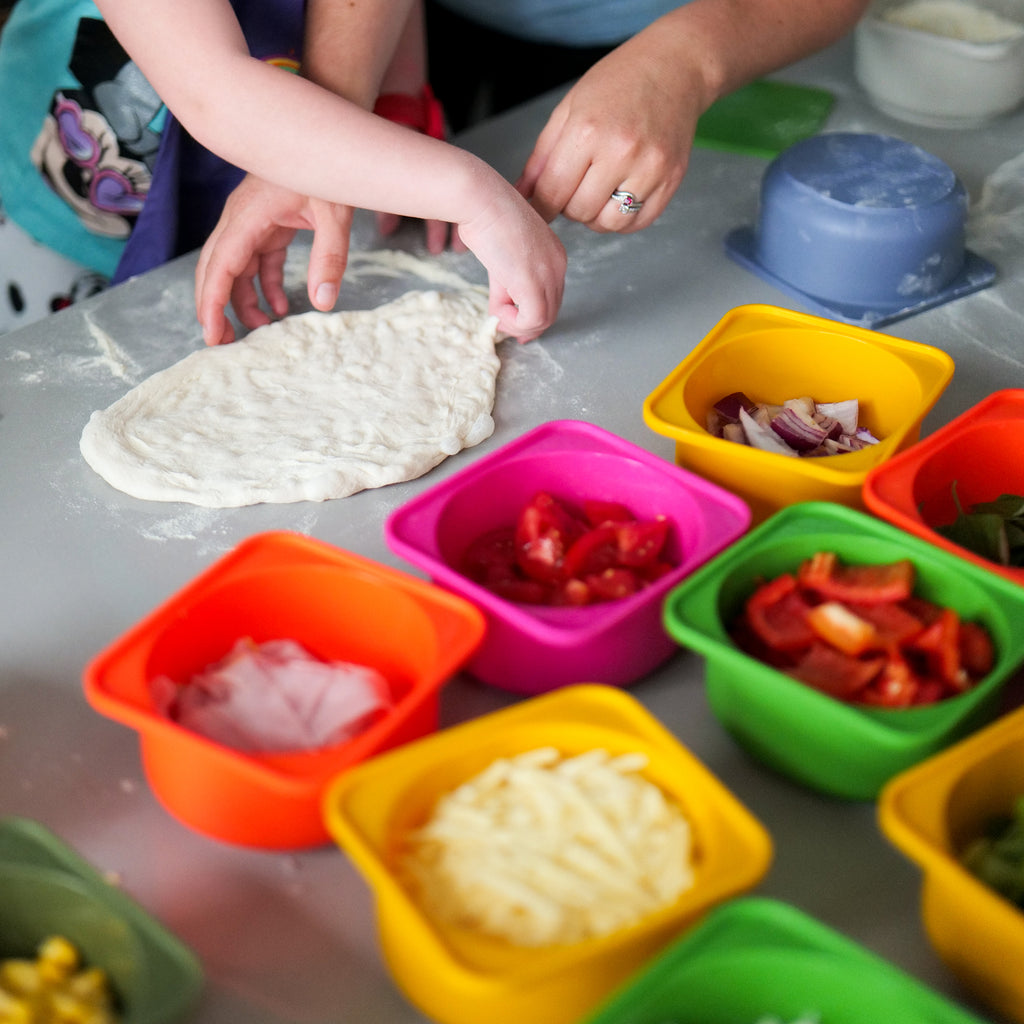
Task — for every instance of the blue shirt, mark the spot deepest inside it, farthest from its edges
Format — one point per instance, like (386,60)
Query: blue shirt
(565,22)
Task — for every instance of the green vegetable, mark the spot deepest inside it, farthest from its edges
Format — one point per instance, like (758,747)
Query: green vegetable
(997,857)
(991,529)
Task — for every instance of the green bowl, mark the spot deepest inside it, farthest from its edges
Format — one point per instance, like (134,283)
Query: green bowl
(46,889)
(845,750)
(758,958)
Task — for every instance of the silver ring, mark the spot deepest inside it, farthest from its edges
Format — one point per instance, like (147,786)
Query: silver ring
(628,203)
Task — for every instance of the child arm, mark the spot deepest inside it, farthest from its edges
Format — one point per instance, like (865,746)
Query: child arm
(293,133)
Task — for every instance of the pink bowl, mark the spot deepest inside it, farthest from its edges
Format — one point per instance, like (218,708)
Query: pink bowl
(530,649)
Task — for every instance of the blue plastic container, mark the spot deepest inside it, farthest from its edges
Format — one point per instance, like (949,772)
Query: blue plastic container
(863,227)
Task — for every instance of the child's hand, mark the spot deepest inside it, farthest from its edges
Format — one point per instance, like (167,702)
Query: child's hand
(525,262)
(249,246)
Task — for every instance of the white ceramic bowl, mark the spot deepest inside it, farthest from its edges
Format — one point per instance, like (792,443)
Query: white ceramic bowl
(931,77)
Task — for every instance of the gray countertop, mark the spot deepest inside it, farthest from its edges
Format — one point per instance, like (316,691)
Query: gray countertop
(291,937)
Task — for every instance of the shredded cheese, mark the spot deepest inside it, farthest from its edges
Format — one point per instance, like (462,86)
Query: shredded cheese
(540,849)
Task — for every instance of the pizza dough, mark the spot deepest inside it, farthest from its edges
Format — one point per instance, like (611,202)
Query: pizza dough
(312,407)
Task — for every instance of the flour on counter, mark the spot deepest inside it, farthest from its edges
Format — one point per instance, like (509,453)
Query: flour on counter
(441,271)
(313,407)
(112,356)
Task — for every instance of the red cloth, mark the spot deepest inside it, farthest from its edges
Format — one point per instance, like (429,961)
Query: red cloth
(422,112)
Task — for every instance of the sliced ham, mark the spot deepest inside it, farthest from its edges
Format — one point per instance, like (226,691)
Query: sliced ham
(274,697)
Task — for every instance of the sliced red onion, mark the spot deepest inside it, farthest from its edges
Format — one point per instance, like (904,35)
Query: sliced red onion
(798,432)
(804,407)
(730,406)
(763,438)
(734,432)
(848,413)
(715,423)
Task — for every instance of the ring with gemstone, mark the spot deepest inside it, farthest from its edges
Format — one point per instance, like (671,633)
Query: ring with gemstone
(628,203)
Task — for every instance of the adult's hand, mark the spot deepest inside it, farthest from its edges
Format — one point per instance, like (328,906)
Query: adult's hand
(627,124)
(248,248)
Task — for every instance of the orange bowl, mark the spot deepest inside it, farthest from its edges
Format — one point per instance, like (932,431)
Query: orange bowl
(981,452)
(280,586)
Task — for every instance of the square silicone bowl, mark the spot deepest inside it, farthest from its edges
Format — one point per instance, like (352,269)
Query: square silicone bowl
(280,586)
(934,79)
(774,354)
(861,227)
(531,649)
(763,960)
(48,889)
(457,976)
(930,813)
(843,749)
(980,453)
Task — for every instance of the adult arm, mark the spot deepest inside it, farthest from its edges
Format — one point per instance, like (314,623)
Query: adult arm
(630,121)
(321,145)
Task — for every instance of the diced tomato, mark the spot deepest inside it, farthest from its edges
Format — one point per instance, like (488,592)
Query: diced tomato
(544,533)
(839,626)
(641,541)
(600,512)
(777,613)
(556,556)
(572,593)
(594,551)
(835,673)
(613,584)
(491,557)
(521,591)
(863,584)
(655,570)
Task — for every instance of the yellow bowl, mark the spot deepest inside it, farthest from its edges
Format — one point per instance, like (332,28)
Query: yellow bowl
(773,354)
(931,812)
(458,976)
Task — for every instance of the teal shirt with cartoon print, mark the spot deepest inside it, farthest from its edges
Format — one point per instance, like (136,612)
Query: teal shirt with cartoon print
(79,131)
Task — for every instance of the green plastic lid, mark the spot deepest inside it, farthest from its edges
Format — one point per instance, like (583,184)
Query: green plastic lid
(763,118)
(47,889)
(757,958)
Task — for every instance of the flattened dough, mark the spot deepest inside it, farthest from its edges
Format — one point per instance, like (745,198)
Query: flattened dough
(312,407)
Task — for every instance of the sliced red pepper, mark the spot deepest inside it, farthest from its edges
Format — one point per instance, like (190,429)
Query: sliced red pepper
(894,625)
(837,674)
(862,584)
(896,686)
(837,625)
(777,613)
(940,644)
(976,652)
